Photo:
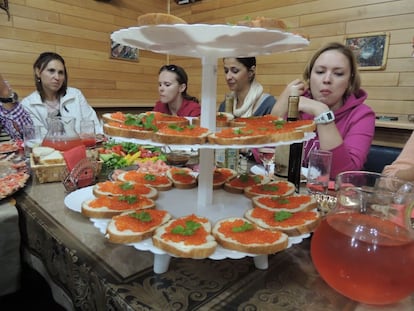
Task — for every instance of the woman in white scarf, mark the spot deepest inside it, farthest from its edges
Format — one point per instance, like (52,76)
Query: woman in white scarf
(249,98)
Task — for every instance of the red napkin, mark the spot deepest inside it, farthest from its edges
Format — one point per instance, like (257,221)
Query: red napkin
(74,155)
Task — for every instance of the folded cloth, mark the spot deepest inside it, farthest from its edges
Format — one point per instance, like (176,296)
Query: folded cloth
(74,156)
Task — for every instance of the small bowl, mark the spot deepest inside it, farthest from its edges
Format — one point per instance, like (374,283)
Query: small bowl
(177,158)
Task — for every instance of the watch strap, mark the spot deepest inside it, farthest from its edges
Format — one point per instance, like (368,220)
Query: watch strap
(11,99)
(325,117)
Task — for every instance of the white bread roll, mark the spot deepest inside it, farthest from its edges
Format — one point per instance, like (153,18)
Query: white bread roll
(55,157)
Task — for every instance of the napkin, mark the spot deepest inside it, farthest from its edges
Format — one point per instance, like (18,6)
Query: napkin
(74,155)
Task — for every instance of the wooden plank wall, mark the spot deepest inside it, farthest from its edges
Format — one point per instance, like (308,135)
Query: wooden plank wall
(391,91)
(79,30)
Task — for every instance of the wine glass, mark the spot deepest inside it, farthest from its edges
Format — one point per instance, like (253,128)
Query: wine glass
(267,155)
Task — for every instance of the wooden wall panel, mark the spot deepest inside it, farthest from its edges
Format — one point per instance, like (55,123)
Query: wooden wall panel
(80,31)
(390,90)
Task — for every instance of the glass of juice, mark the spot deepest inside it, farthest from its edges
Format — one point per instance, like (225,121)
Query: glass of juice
(87,133)
(364,248)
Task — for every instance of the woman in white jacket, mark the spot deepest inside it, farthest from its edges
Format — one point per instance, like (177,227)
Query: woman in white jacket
(53,97)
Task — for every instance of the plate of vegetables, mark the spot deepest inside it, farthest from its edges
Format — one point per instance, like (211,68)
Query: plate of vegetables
(116,155)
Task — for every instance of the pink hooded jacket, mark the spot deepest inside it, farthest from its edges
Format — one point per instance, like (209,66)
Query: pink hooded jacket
(356,123)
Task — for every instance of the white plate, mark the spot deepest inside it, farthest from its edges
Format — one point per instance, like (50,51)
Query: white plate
(204,40)
(179,203)
(73,200)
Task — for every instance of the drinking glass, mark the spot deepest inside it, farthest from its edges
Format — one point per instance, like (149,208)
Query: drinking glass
(319,169)
(364,247)
(32,137)
(87,133)
(266,155)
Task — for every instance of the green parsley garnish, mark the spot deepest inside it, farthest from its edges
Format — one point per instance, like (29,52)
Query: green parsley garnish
(281,200)
(150,177)
(126,186)
(243,228)
(142,216)
(130,199)
(282,215)
(190,228)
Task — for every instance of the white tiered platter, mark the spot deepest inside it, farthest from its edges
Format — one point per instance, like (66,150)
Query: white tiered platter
(204,40)
(181,202)
(209,43)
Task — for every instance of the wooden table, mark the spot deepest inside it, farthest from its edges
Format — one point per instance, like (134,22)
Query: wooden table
(92,274)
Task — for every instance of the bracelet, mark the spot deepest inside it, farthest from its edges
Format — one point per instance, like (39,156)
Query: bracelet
(11,99)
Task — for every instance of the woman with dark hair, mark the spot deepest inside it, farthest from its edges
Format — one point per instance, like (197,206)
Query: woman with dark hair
(172,88)
(53,97)
(249,97)
(331,95)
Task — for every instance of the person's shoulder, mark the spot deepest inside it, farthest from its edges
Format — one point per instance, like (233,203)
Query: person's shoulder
(33,97)
(73,91)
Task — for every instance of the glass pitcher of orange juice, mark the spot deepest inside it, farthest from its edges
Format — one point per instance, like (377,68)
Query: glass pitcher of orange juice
(364,248)
(61,134)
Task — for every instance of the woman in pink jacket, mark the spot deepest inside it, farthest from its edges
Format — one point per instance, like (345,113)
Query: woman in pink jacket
(331,95)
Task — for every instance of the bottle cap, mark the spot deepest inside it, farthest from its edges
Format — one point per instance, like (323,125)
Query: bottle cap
(294,90)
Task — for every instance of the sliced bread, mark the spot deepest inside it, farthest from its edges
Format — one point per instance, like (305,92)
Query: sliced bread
(133,227)
(187,237)
(107,206)
(242,235)
(293,224)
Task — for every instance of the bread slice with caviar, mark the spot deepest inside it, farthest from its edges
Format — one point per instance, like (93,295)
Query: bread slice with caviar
(221,175)
(159,19)
(293,224)
(242,181)
(108,206)
(181,135)
(222,119)
(182,177)
(242,235)
(274,188)
(157,181)
(292,203)
(187,237)
(135,226)
(119,188)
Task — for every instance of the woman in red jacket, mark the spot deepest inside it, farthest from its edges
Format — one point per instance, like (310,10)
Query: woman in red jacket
(174,100)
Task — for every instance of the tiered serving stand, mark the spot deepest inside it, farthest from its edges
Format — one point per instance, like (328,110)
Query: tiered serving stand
(209,43)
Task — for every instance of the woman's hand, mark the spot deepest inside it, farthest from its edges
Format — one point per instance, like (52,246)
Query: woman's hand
(281,107)
(406,174)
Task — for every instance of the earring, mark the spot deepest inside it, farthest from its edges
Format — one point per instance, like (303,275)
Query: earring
(38,80)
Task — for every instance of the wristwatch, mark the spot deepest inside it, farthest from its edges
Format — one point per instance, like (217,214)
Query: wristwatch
(325,117)
(11,99)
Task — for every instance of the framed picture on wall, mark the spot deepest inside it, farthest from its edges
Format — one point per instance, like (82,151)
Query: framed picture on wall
(123,52)
(370,50)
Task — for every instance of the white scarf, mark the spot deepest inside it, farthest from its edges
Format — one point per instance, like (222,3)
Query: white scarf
(253,97)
